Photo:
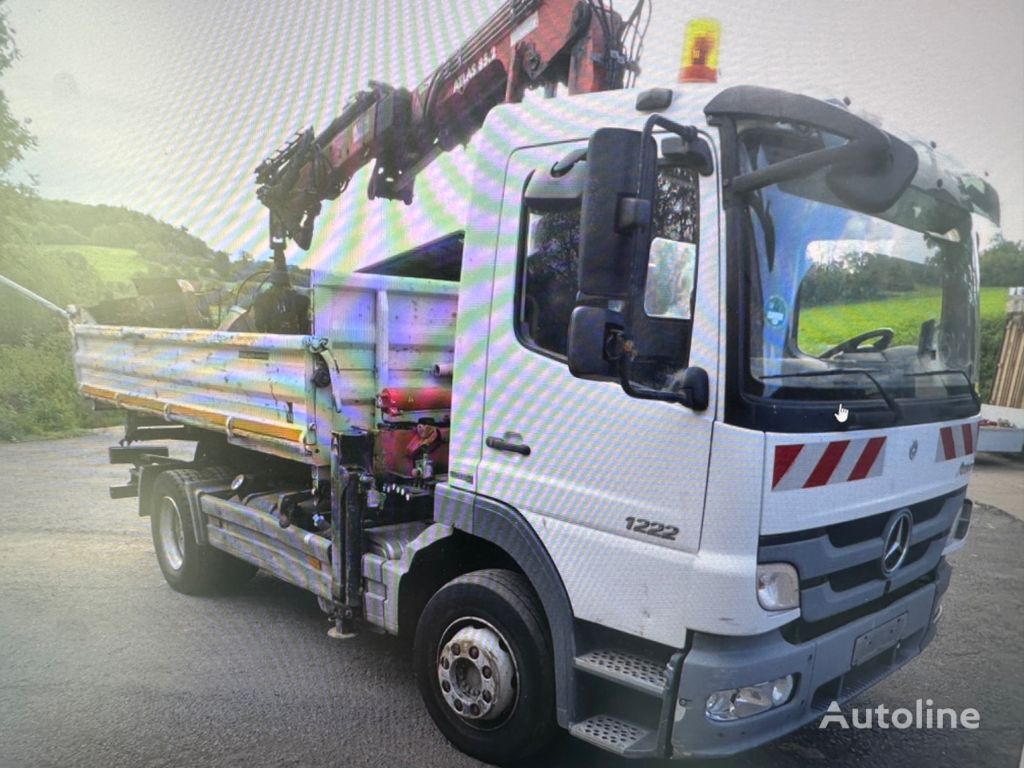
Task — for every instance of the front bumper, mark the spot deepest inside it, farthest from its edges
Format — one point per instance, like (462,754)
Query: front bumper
(825,669)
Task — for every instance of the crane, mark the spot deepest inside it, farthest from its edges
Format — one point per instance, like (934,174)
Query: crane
(581,44)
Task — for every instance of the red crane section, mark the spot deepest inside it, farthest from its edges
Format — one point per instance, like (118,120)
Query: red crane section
(581,44)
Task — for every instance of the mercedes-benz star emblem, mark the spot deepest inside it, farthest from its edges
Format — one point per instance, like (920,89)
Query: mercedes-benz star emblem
(896,538)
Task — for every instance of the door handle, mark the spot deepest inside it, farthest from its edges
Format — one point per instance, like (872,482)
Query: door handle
(500,444)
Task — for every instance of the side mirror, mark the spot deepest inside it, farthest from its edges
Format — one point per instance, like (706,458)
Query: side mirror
(875,184)
(587,343)
(693,388)
(694,153)
(614,255)
(557,189)
(591,340)
(616,211)
(869,170)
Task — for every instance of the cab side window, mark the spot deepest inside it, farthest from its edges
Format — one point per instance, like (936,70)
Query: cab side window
(550,279)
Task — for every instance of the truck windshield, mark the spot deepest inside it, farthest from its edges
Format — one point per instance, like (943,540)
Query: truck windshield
(846,305)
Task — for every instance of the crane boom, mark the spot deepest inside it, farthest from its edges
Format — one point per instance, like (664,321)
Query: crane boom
(582,44)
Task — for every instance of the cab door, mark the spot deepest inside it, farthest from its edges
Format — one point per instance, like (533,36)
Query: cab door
(598,473)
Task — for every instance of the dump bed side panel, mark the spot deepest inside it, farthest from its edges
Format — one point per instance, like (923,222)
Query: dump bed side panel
(370,331)
(252,387)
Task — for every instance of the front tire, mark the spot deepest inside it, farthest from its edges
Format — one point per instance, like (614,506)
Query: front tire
(484,666)
(187,566)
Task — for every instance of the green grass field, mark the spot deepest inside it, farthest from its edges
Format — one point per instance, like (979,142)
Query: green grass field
(825,326)
(112,265)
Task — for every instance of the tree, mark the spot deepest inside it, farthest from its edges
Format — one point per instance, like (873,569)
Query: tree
(15,140)
(1003,264)
(18,317)
(14,137)
(222,263)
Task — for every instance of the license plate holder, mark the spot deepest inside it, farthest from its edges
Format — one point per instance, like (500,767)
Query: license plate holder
(879,639)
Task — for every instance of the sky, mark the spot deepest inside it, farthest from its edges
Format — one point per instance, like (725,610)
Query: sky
(166,106)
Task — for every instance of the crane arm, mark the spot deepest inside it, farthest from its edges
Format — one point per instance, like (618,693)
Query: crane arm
(581,44)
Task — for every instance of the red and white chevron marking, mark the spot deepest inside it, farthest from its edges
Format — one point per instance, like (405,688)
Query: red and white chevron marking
(957,442)
(840,461)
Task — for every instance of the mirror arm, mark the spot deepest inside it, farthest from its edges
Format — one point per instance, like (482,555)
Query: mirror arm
(643,393)
(687,133)
(623,350)
(797,166)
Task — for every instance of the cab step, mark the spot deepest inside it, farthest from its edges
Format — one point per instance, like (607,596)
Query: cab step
(615,735)
(626,669)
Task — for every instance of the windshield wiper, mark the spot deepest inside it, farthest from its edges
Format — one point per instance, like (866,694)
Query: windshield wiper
(897,412)
(970,384)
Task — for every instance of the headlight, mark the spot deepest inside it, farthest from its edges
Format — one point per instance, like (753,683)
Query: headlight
(737,703)
(778,587)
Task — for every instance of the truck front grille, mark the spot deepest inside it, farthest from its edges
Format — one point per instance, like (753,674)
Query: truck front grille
(840,565)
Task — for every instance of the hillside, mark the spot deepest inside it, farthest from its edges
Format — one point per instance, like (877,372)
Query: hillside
(119,244)
(73,253)
(111,265)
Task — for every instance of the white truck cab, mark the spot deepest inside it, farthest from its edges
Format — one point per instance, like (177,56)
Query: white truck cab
(675,460)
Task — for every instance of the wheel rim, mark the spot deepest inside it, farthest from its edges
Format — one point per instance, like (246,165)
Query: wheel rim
(477,673)
(172,534)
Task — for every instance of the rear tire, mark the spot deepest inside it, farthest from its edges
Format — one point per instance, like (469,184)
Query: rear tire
(484,668)
(187,566)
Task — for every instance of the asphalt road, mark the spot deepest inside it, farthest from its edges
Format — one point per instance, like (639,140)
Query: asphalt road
(103,665)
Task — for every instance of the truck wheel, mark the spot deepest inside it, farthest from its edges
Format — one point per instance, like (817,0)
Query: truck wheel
(187,566)
(484,666)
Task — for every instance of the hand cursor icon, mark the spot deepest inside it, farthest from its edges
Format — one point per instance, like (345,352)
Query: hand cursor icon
(842,414)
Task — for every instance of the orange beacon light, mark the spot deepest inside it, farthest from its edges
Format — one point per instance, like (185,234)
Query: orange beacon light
(700,51)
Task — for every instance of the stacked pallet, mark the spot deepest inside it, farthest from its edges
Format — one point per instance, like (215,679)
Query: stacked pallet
(1008,388)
